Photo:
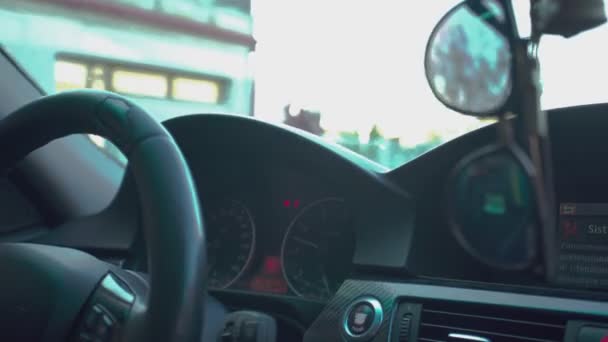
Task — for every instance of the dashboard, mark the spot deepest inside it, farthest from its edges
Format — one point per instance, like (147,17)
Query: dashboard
(278,240)
(581,188)
(309,231)
(270,227)
(283,217)
(324,227)
(280,220)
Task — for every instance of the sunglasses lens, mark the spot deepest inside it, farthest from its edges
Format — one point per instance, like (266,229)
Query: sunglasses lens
(492,208)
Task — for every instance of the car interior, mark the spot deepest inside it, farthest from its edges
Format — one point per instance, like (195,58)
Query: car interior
(224,227)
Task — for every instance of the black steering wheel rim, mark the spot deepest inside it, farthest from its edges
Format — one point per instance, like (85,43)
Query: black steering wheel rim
(172,221)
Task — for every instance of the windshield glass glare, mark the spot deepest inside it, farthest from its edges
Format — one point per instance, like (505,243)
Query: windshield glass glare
(351,72)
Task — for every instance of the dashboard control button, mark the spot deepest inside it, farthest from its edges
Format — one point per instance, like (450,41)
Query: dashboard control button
(592,334)
(363,318)
(249,331)
(248,326)
(228,334)
(91,318)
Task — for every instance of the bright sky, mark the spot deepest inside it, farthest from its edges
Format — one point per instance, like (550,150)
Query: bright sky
(574,70)
(361,62)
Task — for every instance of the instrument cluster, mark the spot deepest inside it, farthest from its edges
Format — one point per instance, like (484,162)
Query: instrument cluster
(309,257)
(292,236)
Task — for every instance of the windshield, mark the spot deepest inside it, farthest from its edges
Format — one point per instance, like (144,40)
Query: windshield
(349,71)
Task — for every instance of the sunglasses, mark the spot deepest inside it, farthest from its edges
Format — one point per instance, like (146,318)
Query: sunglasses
(495,203)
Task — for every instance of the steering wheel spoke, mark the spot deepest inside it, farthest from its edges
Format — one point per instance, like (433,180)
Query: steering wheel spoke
(106,312)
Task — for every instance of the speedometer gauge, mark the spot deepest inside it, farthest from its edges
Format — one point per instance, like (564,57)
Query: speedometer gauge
(230,242)
(318,248)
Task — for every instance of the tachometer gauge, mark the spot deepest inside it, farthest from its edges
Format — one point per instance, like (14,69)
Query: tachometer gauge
(318,248)
(230,242)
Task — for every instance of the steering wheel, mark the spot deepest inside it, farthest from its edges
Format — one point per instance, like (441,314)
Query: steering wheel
(50,293)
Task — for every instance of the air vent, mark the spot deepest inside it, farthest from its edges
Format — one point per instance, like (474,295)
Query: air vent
(405,328)
(454,321)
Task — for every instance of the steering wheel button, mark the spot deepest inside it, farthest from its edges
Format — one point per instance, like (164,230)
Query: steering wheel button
(103,330)
(92,317)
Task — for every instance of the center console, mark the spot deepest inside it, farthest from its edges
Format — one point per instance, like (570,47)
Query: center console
(386,311)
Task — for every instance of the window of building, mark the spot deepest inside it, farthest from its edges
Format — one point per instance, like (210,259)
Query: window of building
(139,83)
(189,89)
(76,72)
(70,75)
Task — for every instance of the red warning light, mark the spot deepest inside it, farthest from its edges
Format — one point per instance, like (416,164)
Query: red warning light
(569,228)
(272,265)
(270,279)
(288,203)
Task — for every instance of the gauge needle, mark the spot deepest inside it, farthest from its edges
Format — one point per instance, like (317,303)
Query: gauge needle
(326,282)
(306,242)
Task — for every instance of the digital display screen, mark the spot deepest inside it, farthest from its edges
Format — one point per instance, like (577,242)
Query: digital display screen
(583,245)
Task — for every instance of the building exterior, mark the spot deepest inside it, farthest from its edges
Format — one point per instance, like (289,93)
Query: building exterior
(199,65)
